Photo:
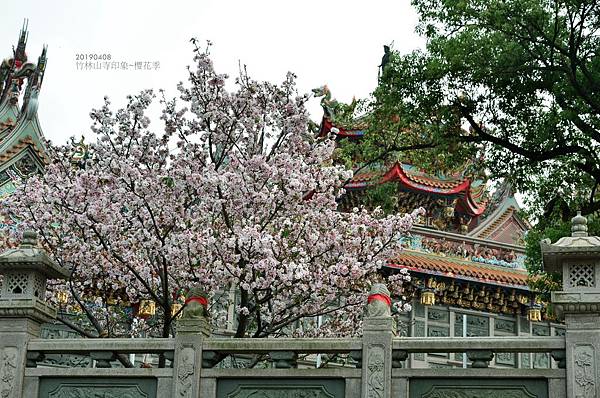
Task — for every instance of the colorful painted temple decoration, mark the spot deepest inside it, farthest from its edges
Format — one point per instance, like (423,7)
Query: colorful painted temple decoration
(22,147)
(467,251)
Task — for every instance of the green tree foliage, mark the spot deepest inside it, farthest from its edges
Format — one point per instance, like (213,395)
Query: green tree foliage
(514,84)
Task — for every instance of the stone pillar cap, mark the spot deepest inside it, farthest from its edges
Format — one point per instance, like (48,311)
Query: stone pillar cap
(579,245)
(28,256)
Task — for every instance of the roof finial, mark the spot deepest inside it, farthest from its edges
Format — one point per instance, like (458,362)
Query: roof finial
(579,225)
(20,54)
(41,65)
(29,239)
(34,83)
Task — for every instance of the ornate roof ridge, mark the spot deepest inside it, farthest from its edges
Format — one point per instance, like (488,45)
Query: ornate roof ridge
(471,201)
(508,207)
(452,236)
(461,269)
(465,261)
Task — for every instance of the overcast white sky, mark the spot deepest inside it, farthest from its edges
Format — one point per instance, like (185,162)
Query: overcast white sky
(339,43)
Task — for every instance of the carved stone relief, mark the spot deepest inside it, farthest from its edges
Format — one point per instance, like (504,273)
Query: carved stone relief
(233,362)
(70,361)
(185,372)
(504,325)
(476,326)
(419,329)
(525,360)
(419,356)
(477,392)
(280,391)
(541,361)
(505,358)
(376,371)
(540,330)
(8,371)
(53,331)
(438,315)
(585,371)
(403,328)
(437,331)
(94,390)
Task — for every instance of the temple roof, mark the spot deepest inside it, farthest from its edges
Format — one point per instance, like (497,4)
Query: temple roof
(413,177)
(452,267)
(496,218)
(22,144)
(471,194)
(327,127)
(20,131)
(488,252)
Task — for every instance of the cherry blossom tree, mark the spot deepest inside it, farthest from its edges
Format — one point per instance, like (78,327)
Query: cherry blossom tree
(234,193)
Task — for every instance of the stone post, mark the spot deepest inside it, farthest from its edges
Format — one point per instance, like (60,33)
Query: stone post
(192,328)
(577,258)
(378,331)
(23,308)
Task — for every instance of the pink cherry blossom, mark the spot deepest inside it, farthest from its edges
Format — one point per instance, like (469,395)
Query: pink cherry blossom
(233,193)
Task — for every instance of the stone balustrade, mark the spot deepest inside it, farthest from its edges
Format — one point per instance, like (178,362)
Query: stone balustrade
(281,356)
(299,345)
(37,349)
(374,369)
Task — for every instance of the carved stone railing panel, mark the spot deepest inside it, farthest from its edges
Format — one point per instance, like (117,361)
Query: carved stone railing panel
(475,388)
(66,387)
(476,325)
(505,326)
(277,388)
(506,359)
(525,360)
(438,315)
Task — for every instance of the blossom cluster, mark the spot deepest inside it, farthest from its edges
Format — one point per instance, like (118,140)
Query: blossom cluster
(235,192)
